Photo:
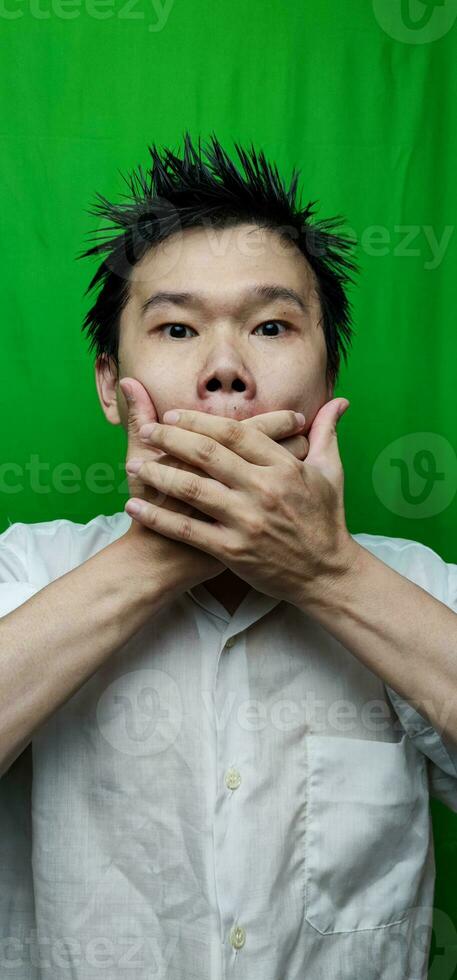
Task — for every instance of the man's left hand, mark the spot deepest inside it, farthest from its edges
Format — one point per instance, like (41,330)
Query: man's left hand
(278,523)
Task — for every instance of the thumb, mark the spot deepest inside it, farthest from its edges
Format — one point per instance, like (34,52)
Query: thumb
(322,437)
(140,409)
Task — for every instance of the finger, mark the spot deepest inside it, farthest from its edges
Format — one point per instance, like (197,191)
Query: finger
(167,460)
(140,410)
(298,446)
(207,495)
(205,536)
(274,425)
(162,499)
(253,446)
(204,453)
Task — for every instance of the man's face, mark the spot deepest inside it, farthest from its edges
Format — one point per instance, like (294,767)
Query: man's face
(221,350)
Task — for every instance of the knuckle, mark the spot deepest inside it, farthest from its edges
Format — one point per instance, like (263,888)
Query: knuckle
(234,549)
(206,449)
(234,433)
(191,488)
(270,498)
(149,517)
(269,494)
(255,526)
(132,422)
(186,529)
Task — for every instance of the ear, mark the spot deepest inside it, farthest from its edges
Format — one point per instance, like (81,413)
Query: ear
(107,383)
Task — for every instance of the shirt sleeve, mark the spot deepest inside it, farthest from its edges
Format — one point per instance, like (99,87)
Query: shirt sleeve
(441,753)
(15,587)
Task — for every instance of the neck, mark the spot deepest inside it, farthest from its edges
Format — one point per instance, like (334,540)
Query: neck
(228,589)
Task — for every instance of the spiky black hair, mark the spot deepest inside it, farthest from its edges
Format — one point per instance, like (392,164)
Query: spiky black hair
(176,193)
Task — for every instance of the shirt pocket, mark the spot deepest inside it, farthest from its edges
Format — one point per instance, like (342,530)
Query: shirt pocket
(367,832)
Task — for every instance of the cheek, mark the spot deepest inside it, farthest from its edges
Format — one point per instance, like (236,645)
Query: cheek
(168,385)
(300,375)
(299,382)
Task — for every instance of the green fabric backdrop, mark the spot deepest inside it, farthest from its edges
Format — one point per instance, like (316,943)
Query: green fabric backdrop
(360,95)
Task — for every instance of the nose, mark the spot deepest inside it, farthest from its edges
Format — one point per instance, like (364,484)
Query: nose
(225,378)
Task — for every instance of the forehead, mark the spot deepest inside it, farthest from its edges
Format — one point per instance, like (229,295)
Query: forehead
(221,259)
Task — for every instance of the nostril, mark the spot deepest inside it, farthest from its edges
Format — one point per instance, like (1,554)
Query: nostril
(213,385)
(239,385)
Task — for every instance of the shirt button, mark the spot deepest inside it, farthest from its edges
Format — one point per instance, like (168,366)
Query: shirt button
(232,778)
(237,937)
(230,642)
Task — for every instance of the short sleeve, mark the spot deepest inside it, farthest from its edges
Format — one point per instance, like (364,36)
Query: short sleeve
(17,900)
(451,599)
(439,578)
(34,555)
(15,585)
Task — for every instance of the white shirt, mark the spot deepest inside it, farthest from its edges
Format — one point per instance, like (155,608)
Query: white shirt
(227,796)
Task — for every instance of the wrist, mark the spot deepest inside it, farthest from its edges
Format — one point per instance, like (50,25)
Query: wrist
(162,567)
(333,590)
(153,568)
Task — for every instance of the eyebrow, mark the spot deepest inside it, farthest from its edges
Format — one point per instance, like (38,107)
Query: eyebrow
(255,296)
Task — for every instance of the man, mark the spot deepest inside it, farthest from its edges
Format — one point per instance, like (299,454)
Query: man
(236,711)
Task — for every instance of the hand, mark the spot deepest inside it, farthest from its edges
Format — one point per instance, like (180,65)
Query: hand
(142,410)
(183,565)
(278,523)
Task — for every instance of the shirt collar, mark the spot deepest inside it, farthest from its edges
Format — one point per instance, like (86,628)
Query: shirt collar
(252,607)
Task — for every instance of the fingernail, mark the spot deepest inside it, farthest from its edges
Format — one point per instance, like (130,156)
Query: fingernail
(133,465)
(171,416)
(133,507)
(127,391)
(147,429)
(300,418)
(343,408)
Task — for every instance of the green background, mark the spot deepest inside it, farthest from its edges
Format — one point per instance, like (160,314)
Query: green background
(349,93)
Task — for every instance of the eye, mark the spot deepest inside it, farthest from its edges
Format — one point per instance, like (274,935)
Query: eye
(178,326)
(275,323)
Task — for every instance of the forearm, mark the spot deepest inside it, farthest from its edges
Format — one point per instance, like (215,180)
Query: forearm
(398,630)
(53,642)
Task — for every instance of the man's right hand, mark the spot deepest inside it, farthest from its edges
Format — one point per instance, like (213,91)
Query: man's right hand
(187,566)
